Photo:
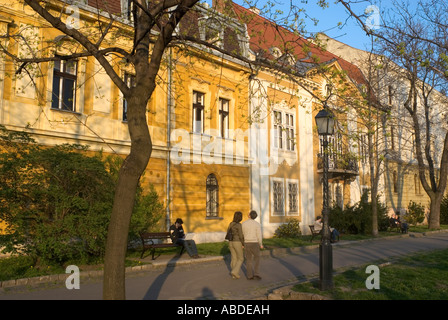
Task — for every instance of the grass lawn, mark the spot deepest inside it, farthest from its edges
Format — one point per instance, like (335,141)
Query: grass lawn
(422,276)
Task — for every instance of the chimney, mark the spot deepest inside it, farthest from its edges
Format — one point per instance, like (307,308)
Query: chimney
(255,10)
(218,5)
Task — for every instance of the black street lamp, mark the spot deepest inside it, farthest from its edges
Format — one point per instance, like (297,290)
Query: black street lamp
(325,127)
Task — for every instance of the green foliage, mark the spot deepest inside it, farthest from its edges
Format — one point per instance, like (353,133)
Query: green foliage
(18,267)
(147,215)
(291,229)
(357,219)
(422,276)
(56,201)
(444,210)
(415,214)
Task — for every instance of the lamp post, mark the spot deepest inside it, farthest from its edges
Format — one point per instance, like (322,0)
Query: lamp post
(325,127)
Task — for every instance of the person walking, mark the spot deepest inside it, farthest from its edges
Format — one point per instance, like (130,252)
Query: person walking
(236,245)
(253,242)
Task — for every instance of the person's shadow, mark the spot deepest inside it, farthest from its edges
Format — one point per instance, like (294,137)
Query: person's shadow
(207,294)
(155,288)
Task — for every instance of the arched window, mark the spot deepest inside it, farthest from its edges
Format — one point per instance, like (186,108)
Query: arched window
(395,177)
(417,184)
(212,196)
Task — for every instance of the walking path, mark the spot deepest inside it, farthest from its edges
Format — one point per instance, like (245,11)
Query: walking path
(173,278)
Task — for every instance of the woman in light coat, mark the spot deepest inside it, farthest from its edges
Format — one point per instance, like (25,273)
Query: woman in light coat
(236,245)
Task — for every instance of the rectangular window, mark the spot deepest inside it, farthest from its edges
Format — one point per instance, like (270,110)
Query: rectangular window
(278,199)
(392,138)
(278,130)
(390,95)
(129,79)
(198,112)
(129,7)
(64,85)
(293,193)
(284,132)
(363,148)
(224,118)
(290,135)
(339,196)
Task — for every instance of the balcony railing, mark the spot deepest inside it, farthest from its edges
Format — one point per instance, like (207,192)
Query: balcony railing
(339,166)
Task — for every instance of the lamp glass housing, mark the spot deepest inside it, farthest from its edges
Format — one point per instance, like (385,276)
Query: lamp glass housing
(325,123)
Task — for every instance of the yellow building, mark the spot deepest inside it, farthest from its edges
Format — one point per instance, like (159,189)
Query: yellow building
(399,183)
(228,135)
(288,183)
(199,106)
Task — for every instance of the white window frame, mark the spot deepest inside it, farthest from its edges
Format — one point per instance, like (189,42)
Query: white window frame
(63,74)
(198,126)
(283,123)
(224,114)
(129,79)
(278,129)
(287,183)
(290,131)
(280,182)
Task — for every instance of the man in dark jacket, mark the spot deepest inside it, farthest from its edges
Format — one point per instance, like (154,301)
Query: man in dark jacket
(178,236)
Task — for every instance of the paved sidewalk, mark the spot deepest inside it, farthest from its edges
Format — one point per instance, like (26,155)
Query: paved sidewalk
(174,278)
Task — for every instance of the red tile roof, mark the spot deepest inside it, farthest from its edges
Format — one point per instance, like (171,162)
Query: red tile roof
(112,6)
(265,35)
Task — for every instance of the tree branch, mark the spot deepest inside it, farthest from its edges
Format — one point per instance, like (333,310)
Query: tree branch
(84,41)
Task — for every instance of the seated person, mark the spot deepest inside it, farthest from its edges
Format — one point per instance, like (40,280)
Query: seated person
(403,224)
(318,228)
(395,221)
(177,235)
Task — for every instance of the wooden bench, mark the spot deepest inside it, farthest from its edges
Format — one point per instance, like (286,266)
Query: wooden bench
(314,232)
(148,242)
(393,225)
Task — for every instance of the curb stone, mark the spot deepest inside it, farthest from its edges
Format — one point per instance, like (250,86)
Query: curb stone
(275,295)
(286,293)
(96,274)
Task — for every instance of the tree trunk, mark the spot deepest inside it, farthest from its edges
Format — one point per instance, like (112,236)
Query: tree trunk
(434,211)
(128,179)
(374,212)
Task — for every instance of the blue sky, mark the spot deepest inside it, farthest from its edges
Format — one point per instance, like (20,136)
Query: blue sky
(349,32)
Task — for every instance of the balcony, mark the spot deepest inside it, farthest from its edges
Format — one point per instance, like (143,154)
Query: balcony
(339,167)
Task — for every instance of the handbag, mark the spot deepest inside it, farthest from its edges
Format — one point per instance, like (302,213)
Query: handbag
(229,235)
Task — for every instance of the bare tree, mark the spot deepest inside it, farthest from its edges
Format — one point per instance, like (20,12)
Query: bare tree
(154,24)
(415,38)
(152,31)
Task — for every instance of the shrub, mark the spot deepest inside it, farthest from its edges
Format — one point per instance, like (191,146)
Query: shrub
(357,219)
(147,215)
(291,229)
(55,201)
(415,214)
